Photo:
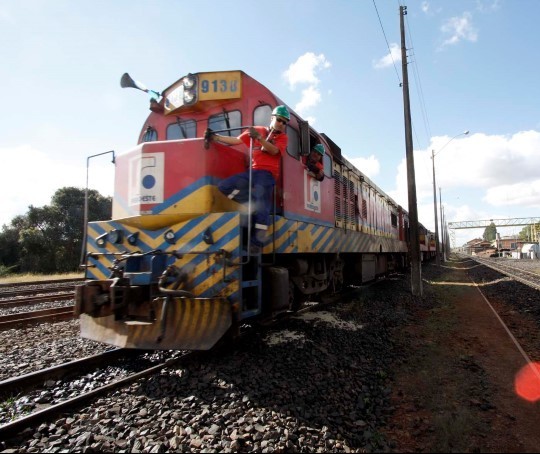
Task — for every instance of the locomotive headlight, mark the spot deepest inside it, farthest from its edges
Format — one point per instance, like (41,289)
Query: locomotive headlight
(190,89)
(132,239)
(189,81)
(116,236)
(169,237)
(189,96)
(101,240)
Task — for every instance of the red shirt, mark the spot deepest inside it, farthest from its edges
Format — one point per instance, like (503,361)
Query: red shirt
(317,164)
(263,160)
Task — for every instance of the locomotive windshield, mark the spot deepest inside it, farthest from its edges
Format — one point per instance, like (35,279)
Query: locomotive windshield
(182,130)
(227,122)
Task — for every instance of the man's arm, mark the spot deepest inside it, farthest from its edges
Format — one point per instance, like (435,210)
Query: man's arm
(267,146)
(225,139)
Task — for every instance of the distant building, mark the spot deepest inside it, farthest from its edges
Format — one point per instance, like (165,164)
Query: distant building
(503,246)
(478,246)
(510,243)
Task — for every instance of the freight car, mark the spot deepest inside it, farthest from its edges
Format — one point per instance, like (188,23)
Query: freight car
(173,269)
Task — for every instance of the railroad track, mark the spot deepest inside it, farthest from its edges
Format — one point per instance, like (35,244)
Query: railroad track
(35,300)
(13,388)
(510,269)
(42,283)
(42,291)
(71,371)
(45,315)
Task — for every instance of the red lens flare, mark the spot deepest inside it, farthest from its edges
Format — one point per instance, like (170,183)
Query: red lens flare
(527,382)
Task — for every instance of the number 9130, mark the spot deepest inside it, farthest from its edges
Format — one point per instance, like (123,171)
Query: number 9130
(219,86)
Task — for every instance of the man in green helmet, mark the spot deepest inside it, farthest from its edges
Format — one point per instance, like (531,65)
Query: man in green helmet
(269,144)
(314,162)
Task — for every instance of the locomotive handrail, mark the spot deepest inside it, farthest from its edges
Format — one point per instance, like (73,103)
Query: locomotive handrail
(249,202)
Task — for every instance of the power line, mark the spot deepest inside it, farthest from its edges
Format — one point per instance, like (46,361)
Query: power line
(419,85)
(387,45)
(416,74)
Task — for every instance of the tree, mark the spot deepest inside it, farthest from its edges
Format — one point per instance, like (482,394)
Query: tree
(530,232)
(9,245)
(490,233)
(49,239)
(69,203)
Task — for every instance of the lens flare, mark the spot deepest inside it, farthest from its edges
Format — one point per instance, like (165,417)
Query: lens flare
(527,382)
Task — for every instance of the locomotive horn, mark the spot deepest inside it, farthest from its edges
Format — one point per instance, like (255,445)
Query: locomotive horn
(127,82)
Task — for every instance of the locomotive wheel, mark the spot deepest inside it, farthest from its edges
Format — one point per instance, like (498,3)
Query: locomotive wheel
(295,302)
(296,298)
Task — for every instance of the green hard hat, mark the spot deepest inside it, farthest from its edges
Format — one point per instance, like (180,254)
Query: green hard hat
(282,111)
(319,148)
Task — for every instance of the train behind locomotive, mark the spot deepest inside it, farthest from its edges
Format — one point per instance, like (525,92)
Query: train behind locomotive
(173,269)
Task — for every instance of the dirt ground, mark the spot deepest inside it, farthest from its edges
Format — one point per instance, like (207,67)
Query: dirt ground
(454,391)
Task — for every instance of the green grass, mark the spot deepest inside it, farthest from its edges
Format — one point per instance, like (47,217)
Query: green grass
(30,277)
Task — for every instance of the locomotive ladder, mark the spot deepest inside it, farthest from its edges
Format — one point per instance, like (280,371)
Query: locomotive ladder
(251,262)
(251,284)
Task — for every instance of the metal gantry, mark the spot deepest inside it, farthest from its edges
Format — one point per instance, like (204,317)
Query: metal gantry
(453,226)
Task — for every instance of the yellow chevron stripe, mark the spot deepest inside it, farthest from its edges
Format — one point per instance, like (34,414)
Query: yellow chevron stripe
(283,238)
(191,323)
(323,240)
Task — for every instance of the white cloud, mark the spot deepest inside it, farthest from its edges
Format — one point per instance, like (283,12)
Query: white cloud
(488,6)
(304,72)
(425,7)
(459,29)
(369,166)
(389,59)
(31,177)
(304,69)
(527,194)
(311,96)
(490,174)
(310,120)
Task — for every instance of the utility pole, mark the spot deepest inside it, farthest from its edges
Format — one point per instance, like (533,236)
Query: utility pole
(437,252)
(414,240)
(446,248)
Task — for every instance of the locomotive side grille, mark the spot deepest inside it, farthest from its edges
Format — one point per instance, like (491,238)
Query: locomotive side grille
(352,206)
(345,199)
(345,187)
(346,195)
(337,190)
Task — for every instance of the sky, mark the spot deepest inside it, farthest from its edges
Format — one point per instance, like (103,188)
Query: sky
(473,66)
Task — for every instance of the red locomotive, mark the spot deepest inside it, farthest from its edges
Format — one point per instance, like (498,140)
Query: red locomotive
(172,270)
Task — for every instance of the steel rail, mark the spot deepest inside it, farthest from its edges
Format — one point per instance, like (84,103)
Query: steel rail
(512,272)
(37,291)
(29,381)
(55,313)
(13,428)
(36,300)
(53,281)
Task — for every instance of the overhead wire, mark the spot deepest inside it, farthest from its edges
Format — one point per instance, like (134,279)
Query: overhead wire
(415,72)
(418,82)
(393,62)
(387,45)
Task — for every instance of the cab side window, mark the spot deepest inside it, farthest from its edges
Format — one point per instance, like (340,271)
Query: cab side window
(262,115)
(327,161)
(150,135)
(293,148)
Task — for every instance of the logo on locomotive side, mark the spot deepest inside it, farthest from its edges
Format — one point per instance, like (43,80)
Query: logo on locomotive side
(312,193)
(146,175)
